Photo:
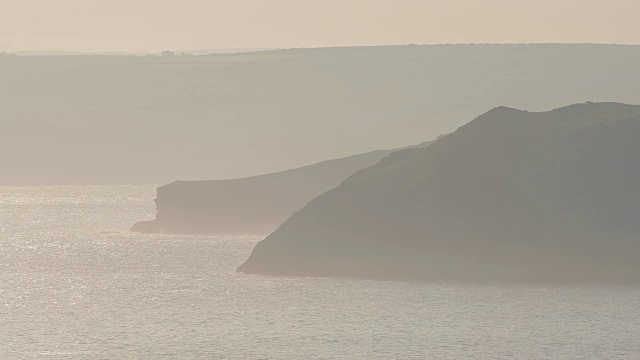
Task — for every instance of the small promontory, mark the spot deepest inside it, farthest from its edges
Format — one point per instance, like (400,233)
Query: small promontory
(253,205)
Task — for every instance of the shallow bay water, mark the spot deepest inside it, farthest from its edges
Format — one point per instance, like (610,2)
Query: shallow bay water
(76,284)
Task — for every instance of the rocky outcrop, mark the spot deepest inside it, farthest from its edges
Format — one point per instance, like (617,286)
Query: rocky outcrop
(513,196)
(254,205)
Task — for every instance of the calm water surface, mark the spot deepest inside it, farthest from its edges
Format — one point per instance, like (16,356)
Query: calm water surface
(76,284)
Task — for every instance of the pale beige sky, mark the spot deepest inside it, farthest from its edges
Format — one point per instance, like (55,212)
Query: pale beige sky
(155,25)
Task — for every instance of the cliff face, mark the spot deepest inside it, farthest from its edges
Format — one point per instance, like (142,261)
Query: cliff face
(254,205)
(511,196)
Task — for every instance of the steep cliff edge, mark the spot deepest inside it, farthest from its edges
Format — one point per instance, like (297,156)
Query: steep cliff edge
(512,196)
(254,205)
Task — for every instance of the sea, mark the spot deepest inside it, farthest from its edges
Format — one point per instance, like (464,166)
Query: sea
(75,283)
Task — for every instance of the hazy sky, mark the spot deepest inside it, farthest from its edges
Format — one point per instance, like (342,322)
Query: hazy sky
(154,25)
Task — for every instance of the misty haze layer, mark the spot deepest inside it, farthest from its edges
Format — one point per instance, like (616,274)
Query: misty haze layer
(152,25)
(511,196)
(125,119)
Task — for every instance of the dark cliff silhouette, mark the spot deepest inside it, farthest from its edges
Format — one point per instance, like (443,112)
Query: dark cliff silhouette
(512,196)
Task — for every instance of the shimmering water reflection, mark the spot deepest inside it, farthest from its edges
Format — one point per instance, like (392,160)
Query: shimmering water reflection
(74,283)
